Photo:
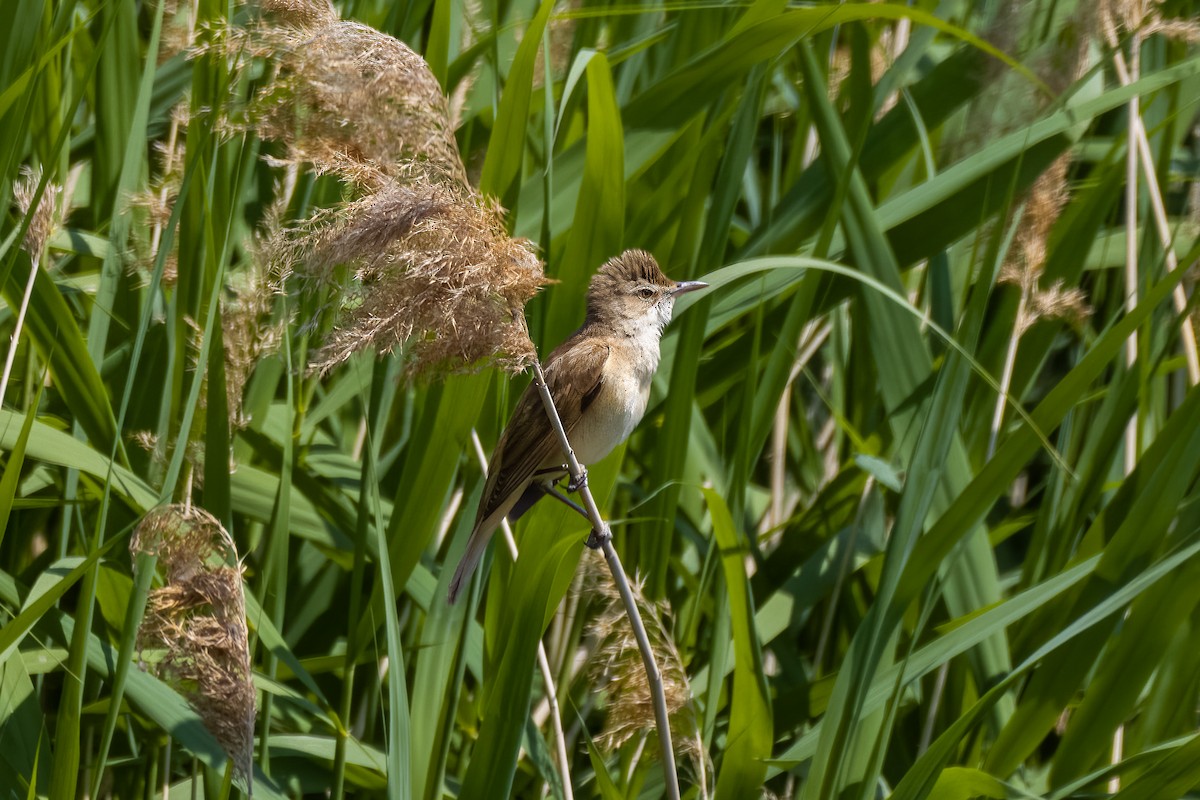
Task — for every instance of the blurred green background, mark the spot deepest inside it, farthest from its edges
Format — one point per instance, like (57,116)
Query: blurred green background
(915,503)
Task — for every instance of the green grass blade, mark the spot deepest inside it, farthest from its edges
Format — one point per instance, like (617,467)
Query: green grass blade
(598,230)
(506,147)
(750,735)
(16,458)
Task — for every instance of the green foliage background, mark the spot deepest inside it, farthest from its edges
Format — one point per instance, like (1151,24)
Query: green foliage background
(870,596)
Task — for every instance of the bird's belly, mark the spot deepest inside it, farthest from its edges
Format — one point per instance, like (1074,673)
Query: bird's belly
(610,418)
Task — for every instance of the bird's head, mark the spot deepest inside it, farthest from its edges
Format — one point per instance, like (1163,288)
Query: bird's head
(630,291)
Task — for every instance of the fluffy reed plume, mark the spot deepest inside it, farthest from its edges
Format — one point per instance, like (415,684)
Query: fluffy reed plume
(353,101)
(42,222)
(1145,18)
(47,216)
(193,635)
(616,664)
(560,35)
(158,200)
(1043,206)
(1058,68)
(178,29)
(251,329)
(434,268)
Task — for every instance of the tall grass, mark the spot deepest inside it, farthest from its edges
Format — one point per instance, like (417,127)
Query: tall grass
(914,510)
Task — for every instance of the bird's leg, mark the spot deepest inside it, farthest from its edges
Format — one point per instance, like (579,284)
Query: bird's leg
(563,470)
(562,498)
(596,539)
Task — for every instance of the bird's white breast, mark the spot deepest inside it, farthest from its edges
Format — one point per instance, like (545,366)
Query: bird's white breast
(622,400)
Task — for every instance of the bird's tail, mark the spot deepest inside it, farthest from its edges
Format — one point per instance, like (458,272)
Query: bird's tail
(484,528)
(476,546)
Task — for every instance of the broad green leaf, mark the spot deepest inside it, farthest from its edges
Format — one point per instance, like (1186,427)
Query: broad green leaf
(682,92)
(16,459)
(440,663)
(506,147)
(958,783)
(920,779)
(1141,514)
(536,583)
(750,727)
(23,724)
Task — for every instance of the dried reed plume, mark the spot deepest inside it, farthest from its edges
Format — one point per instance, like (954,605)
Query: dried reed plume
(1048,196)
(178,29)
(45,219)
(193,455)
(616,664)
(158,199)
(251,329)
(193,635)
(42,222)
(1043,206)
(560,36)
(355,102)
(435,270)
(1145,18)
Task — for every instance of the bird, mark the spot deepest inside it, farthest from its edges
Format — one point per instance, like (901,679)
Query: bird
(599,378)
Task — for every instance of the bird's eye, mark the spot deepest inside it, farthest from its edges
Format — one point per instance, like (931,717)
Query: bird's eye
(645,293)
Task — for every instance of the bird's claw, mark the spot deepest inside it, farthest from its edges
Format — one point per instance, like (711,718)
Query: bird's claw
(597,539)
(575,484)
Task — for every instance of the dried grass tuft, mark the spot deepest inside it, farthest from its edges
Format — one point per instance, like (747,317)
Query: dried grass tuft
(434,268)
(178,30)
(353,101)
(1043,206)
(193,455)
(1146,18)
(300,13)
(193,635)
(158,200)
(616,665)
(560,35)
(46,218)
(251,329)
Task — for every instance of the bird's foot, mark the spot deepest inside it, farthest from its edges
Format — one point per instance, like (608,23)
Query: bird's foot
(575,484)
(597,539)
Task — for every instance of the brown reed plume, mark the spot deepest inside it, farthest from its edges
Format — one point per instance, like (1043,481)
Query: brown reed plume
(43,220)
(1043,206)
(193,635)
(1059,68)
(616,665)
(434,269)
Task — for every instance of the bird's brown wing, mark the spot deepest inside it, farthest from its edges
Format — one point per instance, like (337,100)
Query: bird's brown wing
(574,373)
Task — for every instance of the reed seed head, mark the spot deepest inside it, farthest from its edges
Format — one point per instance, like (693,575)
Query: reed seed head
(193,634)
(433,268)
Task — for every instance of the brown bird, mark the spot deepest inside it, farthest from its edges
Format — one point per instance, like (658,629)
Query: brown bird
(600,381)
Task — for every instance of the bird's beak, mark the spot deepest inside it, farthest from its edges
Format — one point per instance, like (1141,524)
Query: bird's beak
(683,287)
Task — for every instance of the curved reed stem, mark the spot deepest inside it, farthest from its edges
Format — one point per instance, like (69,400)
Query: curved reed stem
(603,535)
